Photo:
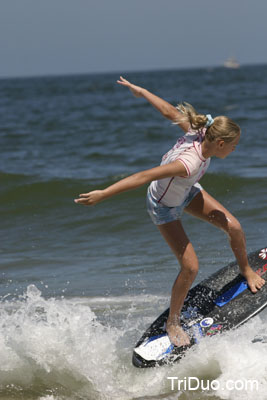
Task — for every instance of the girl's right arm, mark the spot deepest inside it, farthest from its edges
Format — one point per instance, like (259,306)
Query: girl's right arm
(134,181)
(165,108)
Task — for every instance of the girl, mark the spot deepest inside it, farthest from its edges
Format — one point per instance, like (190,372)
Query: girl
(174,187)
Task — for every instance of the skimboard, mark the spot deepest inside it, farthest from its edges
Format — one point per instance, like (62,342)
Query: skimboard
(217,304)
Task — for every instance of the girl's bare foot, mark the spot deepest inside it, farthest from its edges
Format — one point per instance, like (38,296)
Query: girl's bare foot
(255,282)
(177,335)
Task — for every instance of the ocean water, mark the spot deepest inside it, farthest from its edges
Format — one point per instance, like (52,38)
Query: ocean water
(79,285)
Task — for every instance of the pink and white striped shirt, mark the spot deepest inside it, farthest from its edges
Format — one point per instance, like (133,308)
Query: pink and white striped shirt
(172,192)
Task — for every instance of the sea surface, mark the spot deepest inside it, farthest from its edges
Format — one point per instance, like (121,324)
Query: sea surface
(79,285)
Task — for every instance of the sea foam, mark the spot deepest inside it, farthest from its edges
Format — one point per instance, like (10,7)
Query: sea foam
(57,349)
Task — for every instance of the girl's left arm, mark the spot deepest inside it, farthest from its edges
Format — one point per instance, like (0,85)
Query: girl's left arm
(134,181)
(166,109)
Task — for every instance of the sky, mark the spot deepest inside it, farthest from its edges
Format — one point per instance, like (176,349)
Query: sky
(58,37)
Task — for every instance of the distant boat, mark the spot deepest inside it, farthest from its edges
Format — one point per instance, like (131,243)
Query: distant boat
(231,63)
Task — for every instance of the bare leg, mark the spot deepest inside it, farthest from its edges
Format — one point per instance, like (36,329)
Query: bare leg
(175,236)
(207,208)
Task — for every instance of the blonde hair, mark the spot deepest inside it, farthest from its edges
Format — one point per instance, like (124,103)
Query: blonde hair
(221,128)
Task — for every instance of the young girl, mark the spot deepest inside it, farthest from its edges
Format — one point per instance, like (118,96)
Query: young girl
(174,187)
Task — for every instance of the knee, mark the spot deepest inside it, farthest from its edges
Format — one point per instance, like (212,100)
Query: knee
(190,271)
(185,278)
(234,228)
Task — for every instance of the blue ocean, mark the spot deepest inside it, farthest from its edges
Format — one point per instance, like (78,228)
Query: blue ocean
(79,285)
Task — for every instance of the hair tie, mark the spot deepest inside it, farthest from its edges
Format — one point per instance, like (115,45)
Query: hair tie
(210,120)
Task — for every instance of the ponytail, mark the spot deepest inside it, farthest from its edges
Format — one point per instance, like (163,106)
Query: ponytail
(196,121)
(220,127)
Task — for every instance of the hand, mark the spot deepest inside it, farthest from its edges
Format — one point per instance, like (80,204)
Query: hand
(91,198)
(136,90)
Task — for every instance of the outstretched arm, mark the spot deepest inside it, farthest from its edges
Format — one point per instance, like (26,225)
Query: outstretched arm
(134,181)
(165,108)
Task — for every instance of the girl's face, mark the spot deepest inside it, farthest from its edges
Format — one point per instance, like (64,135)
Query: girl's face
(225,148)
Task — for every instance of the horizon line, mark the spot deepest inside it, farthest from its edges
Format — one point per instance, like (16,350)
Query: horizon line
(138,71)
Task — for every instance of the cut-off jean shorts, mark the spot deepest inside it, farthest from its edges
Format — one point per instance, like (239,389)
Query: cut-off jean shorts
(161,214)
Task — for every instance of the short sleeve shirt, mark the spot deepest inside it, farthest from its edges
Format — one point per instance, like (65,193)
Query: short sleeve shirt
(173,191)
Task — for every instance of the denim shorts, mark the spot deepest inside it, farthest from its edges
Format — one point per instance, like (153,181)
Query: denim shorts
(161,214)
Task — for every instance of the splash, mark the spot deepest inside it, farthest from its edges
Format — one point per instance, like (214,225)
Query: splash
(52,343)
(57,349)
(235,360)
